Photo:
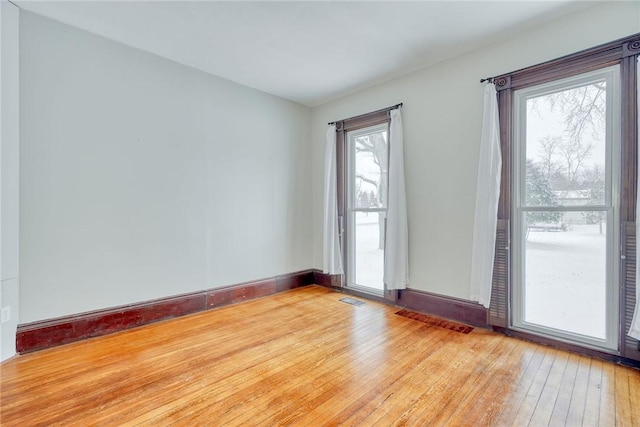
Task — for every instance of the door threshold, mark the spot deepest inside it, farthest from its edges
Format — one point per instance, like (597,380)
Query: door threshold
(366,290)
(565,337)
(580,348)
(377,297)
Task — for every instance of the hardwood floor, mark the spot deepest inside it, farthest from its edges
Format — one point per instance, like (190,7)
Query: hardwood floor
(304,358)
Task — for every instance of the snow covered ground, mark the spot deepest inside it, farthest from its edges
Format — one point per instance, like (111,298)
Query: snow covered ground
(565,279)
(369,259)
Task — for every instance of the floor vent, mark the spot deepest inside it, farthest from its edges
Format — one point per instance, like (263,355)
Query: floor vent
(436,321)
(353,301)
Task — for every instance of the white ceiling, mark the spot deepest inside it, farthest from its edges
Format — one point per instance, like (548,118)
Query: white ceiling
(308,52)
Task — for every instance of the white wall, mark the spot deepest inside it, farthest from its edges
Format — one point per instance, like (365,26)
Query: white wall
(442,120)
(142,178)
(9,149)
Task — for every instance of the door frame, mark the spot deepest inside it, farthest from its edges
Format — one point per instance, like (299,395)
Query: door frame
(611,205)
(624,52)
(351,210)
(378,117)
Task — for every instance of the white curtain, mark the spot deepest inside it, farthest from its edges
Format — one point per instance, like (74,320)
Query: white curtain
(487,196)
(396,253)
(634,331)
(332,258)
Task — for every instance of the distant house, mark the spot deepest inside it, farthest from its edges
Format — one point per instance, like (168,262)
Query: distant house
(573,198)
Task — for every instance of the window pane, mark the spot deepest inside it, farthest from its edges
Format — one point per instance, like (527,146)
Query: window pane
(367,190)
(565,274)
(369,250)
(370,190)
(565,147)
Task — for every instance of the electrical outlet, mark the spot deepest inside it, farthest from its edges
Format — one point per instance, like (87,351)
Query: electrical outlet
(5,314)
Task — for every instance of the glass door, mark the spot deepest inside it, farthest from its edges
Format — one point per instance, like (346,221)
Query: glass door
(566,175)
(367,155)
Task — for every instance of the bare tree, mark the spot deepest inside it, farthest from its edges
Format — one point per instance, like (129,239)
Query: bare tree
(562,161)
(563,158)
(549,150)
(574,153)
(584,108)
(376,145)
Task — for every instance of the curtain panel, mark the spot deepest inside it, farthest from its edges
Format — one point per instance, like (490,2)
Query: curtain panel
(487,198)
(332,257)
(396,259)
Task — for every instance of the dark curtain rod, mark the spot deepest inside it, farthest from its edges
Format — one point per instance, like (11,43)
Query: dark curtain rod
(616,44)
(373,112)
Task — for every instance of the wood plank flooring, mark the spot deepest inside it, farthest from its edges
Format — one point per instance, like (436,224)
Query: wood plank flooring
(304,358)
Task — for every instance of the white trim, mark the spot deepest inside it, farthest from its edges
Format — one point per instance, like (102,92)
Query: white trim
(10,174)
(351,210)
(611,206)
(634,329)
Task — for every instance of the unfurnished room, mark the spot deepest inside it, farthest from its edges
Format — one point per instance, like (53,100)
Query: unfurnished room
(310,213)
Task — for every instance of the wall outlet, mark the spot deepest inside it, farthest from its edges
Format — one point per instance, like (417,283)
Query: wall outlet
(5,314)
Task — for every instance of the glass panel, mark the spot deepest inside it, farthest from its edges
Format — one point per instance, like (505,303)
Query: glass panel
(370,186)
(368,149)
(566,147)
(565,273)
(369,249)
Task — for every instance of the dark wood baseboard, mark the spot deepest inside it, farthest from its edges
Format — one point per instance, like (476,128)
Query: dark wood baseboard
(611,357)
(448,307)
(466,312)
(63,330)
(327,280)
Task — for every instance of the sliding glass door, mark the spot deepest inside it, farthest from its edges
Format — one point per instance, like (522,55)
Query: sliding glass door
(565,208)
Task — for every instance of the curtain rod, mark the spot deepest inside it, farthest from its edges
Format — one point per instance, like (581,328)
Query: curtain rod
(373,112)
(616,44)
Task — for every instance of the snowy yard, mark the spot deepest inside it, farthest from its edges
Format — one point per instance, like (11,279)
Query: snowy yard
(565,280)
(369,259)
